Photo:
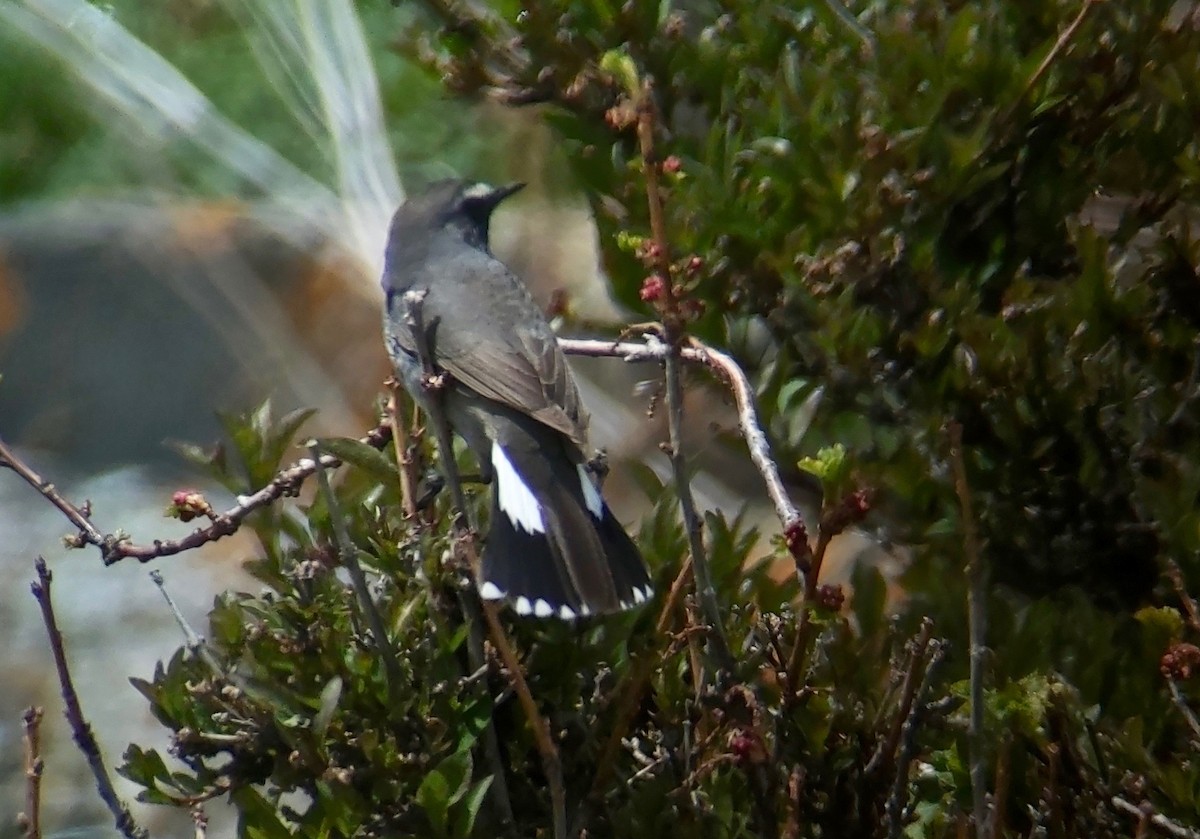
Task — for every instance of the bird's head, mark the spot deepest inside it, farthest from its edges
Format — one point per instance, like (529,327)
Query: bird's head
(463,208)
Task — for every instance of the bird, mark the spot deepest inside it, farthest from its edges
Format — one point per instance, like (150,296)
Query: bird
(553,547)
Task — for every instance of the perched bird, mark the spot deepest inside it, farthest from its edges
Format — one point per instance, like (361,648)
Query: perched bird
(553,548)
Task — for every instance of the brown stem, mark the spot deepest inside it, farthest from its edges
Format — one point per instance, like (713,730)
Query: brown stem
(1189,603)
(896,807)
(80,728)
(1145,814)
(115,547)
(551,764)
(887,752)
(1181,704)
(88,534)
(673,332)
(977,617)
(405,464)
(30,821)
(796,660)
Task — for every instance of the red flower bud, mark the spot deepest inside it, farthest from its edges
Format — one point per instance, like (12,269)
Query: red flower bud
(653,288)
(672,165)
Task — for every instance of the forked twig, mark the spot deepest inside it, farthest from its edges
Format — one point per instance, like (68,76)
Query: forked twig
(1146,815)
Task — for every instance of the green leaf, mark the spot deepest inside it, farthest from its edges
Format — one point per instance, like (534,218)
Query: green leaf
(360,455)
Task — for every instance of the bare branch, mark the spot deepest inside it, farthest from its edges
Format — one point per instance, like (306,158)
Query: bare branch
(114,548)
(88,534)
(908,741)
(1146,815)
(1175,574)
(729,372)
(80,728)
(977,610)
(30,820)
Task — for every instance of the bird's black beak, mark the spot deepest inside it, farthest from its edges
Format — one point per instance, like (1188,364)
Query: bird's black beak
(503,192)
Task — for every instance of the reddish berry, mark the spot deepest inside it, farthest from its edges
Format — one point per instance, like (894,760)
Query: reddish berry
(1180,661)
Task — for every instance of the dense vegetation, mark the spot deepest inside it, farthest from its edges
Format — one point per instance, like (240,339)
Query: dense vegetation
(972,213)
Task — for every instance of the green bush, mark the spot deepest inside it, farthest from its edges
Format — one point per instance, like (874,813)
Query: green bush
(982,213)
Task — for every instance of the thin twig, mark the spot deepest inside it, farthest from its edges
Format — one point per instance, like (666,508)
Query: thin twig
(1189,715)
(30,820)
(1145,814)
(404,458)
(887,752)
(732,375)
(977,616)
(465,541)
(192,639)
(1175,575)
(895,806)
(88,534)
(115,547)
(796,660)
(80,728)
(999,798)
(674,334)
(1059,47)
(362,590)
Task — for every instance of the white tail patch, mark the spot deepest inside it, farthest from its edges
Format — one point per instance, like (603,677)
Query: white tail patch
(591,495)
(514,497)
(490,591)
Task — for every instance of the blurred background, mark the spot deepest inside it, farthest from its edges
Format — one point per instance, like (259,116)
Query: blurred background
(193,200)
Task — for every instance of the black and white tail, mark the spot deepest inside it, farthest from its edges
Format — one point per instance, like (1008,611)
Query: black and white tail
(554,548)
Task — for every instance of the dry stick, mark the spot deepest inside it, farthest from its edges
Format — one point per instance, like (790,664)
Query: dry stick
(673,332)
(977,616)
(1189,603)
(349,558)
(999,799)
(896,806)
(115,547)
(796,660)
(1060,45)
(30,821)
(551,765)
(732,375)
(192,640)
(1156,821)
(88,534)
(1189,716)
(404,459)
(80,728)
(887,752)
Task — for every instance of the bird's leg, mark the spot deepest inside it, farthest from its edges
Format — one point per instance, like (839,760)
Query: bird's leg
(649,327)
